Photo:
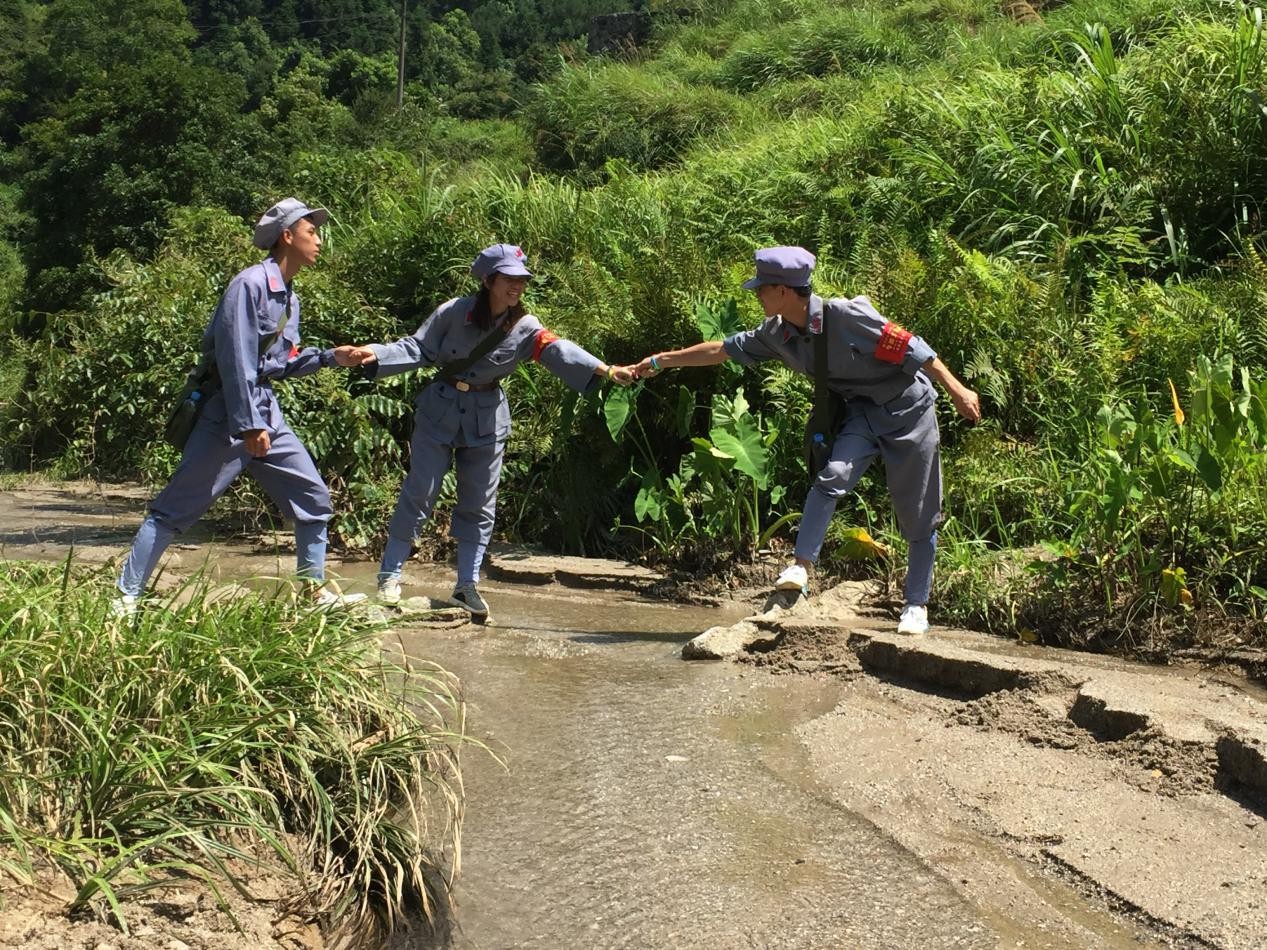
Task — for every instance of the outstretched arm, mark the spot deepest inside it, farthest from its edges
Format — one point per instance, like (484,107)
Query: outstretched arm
(966,400)
(708,353)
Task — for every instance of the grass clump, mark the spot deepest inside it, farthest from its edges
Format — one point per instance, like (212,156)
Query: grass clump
(586,116)
(189,740)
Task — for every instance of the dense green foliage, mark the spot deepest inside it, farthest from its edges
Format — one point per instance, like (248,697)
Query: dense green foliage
(206,733)
(1067,210)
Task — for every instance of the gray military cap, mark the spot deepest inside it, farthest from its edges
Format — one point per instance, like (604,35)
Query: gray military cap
(283,215)
(787,266)
(508,259)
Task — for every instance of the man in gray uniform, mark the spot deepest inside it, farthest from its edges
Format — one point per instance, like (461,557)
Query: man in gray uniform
(463,418)
(884,373)
(253,338)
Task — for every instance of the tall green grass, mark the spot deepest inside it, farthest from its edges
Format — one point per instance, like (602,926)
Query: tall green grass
(587,116)
(199,738)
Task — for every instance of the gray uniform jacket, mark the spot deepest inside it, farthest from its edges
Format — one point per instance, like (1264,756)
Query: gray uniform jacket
(868,357)
(249,314)
(477,418)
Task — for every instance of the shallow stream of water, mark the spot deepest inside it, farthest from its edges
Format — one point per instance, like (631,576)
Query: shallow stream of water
(650,802)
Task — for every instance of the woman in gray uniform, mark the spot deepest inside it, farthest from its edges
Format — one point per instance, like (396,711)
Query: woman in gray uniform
(884,373)
(463,418)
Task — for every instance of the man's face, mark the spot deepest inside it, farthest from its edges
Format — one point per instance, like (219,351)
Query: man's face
(305,241)
(773,298)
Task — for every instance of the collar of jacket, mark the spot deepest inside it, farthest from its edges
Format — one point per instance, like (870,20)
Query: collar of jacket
(273,274)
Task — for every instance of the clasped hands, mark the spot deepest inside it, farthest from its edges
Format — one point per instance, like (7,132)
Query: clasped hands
(348,355)
(631,373)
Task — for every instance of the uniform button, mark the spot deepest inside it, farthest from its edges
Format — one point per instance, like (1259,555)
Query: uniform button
(462,411)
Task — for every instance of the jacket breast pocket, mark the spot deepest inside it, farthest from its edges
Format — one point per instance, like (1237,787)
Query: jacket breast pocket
(502,357)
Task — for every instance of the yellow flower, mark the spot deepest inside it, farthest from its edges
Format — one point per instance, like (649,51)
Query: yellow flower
(1174,401)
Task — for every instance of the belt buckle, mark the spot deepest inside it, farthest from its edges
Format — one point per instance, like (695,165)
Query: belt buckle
(462,386)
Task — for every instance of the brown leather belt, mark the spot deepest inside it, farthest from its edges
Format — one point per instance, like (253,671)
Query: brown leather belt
(462,386)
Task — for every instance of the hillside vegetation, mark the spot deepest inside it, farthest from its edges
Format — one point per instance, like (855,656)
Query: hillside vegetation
(1066,207)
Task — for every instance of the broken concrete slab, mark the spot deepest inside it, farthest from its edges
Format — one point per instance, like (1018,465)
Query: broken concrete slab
(523,565)
(843,604)
(718,643)
(947,666)
(1242,754)
(1193,864)
(1188,723)
(1115,705)
(422,611)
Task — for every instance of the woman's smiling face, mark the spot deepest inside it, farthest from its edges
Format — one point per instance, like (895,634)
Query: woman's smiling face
(504,291)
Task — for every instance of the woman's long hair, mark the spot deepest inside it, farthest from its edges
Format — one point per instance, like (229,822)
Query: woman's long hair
(483,314)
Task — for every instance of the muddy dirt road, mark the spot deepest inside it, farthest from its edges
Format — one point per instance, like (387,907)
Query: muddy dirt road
(650,802)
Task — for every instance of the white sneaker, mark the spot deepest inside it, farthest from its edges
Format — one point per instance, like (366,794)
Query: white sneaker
(123,606)
(914,620)
(324,597)
(793,578)
(388,591)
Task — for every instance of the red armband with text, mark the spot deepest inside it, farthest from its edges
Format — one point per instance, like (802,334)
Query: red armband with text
(894,342)
(544,339)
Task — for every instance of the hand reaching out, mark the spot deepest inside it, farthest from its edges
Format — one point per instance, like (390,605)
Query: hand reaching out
(348,355)
(624,375)
(968,403)
(644,370)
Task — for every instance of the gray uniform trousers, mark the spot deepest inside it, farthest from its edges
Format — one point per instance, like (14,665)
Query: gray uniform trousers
(909,443)
(478,469)
(212,461)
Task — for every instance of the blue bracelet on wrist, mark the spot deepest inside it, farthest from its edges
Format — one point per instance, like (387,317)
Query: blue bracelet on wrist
(655,365)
